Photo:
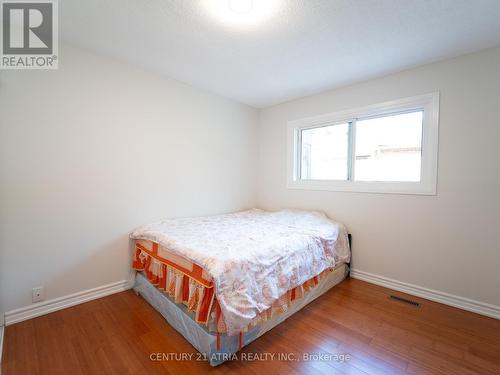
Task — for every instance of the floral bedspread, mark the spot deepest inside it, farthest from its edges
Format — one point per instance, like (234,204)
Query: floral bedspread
(253,256)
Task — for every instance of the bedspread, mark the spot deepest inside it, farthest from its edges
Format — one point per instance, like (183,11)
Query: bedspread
(255,256)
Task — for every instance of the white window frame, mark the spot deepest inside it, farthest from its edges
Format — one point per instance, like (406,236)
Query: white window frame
(427,185)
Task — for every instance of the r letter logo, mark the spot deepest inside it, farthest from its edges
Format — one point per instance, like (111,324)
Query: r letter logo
(29,35)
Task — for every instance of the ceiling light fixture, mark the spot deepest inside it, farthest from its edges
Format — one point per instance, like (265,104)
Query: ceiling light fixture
(242,13)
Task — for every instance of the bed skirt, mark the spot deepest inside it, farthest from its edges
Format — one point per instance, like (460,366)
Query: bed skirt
(206,342)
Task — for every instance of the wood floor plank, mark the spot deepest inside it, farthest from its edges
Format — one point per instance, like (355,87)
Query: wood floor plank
(117,334)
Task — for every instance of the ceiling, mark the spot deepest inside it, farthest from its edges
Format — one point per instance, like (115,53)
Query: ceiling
(302,47)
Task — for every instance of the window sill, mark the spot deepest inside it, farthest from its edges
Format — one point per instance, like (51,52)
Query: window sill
(412,188)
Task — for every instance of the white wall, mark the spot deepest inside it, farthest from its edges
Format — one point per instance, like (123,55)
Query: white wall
(96,148)
(448,242)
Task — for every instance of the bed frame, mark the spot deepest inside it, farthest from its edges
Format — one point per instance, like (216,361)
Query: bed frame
(349,238)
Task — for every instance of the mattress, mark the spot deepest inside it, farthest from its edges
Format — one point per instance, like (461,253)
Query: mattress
(218,349)
(236,271)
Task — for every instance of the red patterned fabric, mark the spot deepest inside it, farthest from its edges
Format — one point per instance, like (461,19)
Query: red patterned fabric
(184,286)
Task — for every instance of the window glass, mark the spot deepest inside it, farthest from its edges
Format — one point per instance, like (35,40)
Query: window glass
(324,153)
(389,148)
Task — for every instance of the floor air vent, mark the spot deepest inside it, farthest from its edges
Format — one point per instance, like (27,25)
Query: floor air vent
(404,300)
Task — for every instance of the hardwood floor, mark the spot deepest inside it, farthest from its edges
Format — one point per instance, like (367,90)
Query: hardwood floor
(118,333)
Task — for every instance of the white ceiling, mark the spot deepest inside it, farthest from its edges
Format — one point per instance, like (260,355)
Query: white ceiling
(306,46)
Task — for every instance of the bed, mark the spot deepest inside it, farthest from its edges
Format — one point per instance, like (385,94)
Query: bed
(222,281)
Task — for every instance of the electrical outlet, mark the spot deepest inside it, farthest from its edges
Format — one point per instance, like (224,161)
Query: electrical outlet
(38,294)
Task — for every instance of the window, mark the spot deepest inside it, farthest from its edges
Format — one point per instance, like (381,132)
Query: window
(384,148)
(389,148)
(325,153)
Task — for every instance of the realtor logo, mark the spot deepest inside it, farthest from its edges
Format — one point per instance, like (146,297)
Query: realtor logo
(29,34)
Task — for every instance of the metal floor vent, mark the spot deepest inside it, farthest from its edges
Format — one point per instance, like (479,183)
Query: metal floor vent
(404,300)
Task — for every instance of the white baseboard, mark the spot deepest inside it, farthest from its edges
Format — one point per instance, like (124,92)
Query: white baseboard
(482,308)
(42,308)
